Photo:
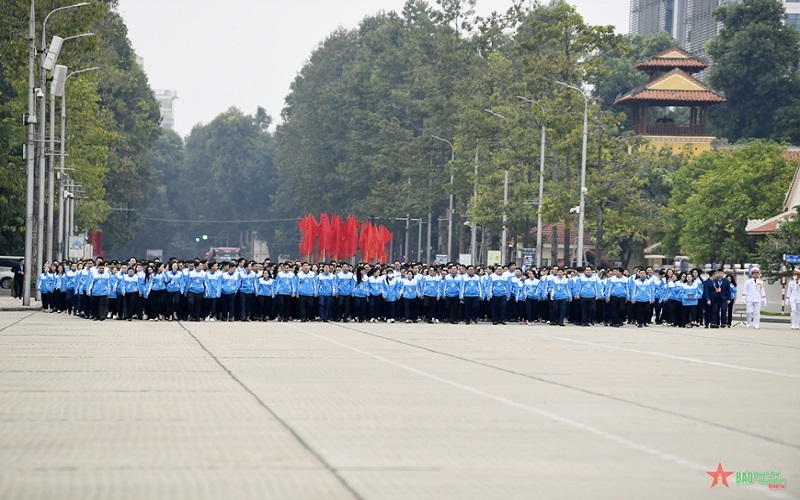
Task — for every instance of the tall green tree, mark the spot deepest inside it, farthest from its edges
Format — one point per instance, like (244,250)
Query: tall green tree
(756,59)
(717,192)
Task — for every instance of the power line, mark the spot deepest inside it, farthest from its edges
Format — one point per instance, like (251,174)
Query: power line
(228,221)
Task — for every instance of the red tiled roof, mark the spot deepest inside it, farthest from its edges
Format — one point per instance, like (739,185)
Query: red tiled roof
(672,96)
(692,63)
(791,154)
(547,234)
(768,226)
(646,93)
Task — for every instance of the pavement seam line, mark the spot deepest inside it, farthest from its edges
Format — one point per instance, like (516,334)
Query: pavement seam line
(579,389)
(16,322)
(281,421)
(662,355)
(669,457)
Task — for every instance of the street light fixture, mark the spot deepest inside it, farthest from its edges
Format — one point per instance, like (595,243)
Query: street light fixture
(582,206)
(450,212)
(504,242)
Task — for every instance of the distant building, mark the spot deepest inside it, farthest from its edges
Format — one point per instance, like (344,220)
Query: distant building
(165,99)
(690,22)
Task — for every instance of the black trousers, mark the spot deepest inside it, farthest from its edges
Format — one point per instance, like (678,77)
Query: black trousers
(531,309)
(410,309)
(195,305)
(306,303)
(453,304)
(641,311)
(618,310)
(228,303)
(498,308)
(285,307)
(558,310)
(100,304)
(360,308)
(131,301)
(344,306)
(429,304)
(588,310)
(471,306)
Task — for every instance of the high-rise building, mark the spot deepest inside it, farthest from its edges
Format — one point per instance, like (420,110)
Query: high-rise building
(166,100)
(690,22)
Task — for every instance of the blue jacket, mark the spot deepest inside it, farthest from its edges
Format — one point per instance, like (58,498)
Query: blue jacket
(691,294)
(326,284)
(643,290)
(285,283)
(560,289)
(375,284)
(410,288)
(471,286)
(306,283)
(195,282)
(247,281)
(265,286)
(499,286)
(391,288)
(617,287)
(46,283)
(213,284)
(101,284)
(588,287)
(158,281)
(130,284)
(72,278)
(174,281)
(432,286)
(532,289)
(451,285)
(361,289)
(344,283)
(229,283)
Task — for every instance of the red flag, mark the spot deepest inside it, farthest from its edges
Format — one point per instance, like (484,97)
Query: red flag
(350,239)
(385,236)
(324,229)
(374,244)
(337,236)
(363,241)
(308,226)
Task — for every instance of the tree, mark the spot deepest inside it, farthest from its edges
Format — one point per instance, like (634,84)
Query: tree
(756,59)
(717,192)
(770,250)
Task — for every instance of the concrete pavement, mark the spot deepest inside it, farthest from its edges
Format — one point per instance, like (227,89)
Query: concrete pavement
(378,411)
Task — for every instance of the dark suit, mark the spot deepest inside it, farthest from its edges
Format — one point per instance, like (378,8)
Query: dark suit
(718,291)
(19,279)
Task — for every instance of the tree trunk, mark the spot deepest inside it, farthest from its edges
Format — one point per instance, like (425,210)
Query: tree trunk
(568,221)
(598,236)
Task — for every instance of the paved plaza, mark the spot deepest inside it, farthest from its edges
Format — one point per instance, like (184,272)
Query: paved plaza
(150,410)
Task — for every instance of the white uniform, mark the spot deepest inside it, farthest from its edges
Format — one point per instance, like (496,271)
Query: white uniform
(793,299)
(754,295)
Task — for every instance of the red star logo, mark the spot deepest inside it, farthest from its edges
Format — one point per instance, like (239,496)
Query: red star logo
(720,476)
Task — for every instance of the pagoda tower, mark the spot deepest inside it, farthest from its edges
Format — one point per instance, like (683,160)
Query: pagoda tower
(672,107)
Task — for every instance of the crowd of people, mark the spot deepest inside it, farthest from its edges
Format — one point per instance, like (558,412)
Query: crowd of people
(241,290)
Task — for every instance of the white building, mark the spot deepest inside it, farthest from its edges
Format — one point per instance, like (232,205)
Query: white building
(166,99)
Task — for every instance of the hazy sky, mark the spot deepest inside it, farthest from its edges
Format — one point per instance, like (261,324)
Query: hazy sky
(245,53)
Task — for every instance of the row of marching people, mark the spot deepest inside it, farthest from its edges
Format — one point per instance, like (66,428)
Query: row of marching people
(243,290)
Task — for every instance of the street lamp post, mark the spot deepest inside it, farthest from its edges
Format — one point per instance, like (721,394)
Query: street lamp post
(47,62)
(29,159)
(504,237)
(450,212)
(56,89)
(582,206)
(539,224)
(61,219)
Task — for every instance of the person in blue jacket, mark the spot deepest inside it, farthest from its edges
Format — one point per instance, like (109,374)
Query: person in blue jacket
(560,295)
(642,296)
(213,292)
(229,286)
(174,286)
(390,294)
(326,290)
(285,290)
(45,283)
(360,294)
(99,289)
(431,288)
(499,292)
(375,283)
(692,294)
(471,294)
(532,297)
(410,291)
(247,290)
(344,282)
(157,294)
(306,291)
(265,294)
(130,293)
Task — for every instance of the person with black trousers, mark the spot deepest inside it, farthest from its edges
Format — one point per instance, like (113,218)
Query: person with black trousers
(19,278)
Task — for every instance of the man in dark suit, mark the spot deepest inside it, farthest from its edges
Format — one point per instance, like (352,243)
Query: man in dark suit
(19,277)
(718,290)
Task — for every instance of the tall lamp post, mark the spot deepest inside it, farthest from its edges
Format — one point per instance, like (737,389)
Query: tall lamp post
(450,212)
(541,186)
(504,237)
(48,59)
(56,89)
(60,91)
(582,206)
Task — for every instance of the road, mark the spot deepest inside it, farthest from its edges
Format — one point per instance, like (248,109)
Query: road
(392,411)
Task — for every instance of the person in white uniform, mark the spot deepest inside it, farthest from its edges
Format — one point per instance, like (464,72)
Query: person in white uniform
(793,299)
(754,295)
